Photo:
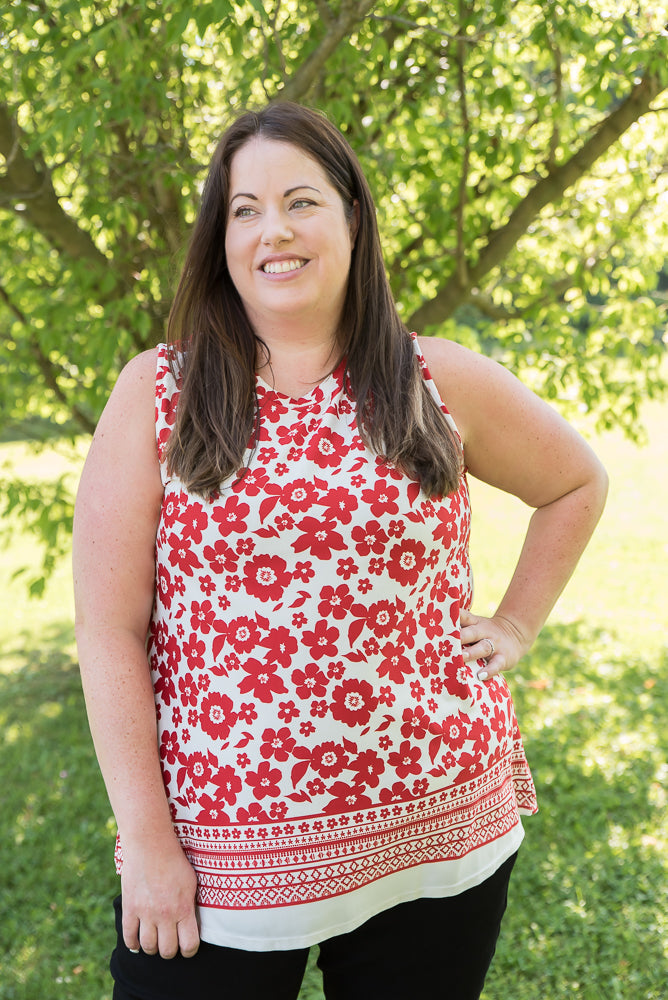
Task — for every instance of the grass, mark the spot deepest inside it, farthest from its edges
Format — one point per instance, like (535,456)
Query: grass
(589,905)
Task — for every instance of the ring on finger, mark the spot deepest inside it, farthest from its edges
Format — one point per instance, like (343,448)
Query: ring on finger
(491,648)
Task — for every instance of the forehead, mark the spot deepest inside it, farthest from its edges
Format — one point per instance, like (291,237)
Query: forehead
(263,162)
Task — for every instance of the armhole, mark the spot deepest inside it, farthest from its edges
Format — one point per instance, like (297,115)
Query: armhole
(431,385)
(166,399)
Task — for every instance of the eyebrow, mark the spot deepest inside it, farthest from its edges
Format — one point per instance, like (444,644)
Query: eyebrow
(286,194)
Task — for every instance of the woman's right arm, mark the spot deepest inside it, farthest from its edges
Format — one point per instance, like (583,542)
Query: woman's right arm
(115,523)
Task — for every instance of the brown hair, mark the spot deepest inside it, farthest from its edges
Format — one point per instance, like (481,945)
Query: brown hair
(217,411)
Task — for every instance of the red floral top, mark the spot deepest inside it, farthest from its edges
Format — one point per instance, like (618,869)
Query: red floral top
(325,749)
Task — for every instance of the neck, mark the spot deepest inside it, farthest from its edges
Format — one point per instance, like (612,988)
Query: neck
(296,363)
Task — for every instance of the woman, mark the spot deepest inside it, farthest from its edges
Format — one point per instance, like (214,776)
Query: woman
(276,524)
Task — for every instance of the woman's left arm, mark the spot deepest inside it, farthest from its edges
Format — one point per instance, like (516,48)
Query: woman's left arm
(516,442)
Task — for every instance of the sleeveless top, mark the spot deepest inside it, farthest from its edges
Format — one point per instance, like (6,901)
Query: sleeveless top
(326,751)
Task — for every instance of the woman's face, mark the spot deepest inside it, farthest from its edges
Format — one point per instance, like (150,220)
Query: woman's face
(288,241)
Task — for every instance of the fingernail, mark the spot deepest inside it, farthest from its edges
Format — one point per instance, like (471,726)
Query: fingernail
(483,675)
(135,951)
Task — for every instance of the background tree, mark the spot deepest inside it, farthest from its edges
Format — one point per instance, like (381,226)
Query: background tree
(518,152)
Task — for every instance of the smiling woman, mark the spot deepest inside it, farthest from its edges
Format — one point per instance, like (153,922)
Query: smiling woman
(277,571)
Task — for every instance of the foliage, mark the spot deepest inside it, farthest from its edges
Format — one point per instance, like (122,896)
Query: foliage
(518,152)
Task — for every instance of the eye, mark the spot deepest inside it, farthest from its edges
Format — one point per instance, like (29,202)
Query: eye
(244,212)
(302,203)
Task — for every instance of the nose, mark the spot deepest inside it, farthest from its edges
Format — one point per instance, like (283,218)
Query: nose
(276,228)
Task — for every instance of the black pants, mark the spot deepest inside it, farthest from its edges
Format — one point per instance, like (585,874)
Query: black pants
(426,949)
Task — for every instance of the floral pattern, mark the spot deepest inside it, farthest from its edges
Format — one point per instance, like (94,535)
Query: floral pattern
(307,666)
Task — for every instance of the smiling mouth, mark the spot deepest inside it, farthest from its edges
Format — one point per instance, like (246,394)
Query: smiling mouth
(281,266)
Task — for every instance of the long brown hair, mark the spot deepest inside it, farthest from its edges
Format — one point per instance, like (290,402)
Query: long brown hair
(217,411)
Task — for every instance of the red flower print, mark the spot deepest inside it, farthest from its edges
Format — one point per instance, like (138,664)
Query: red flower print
(277,744)
(398,793)
(319,537)
(353,702)
(304,571)
(416,723)
(229,783)
(497,722)
(479,733)
(453,731)
(262,680)
(315,787)
(243,634)
(471,765)
(329,759)
(457,678)
(319,709)
(202,616)
(369,766)
(395,663)
(405,760)
(181,554)
(287,711)
(194,520)
(339,504)
(397,528)
(335,602)
(251,482)
(381,499)
(247,712)
(382,618)
(346,797)
(221,557)
(427,660)
(306,728)
(326,448)
(416,690)
(281,644)
(322,640)
(217,716)
(296,433)
(198,769)
(370,538)
(430,620)
(446,532)
(169,746)
(194,650)
(266,577)
(346,568)
(211,813)
(406,561)
(231,516)
(171,508)
(298,496)
(164,587)
(309,682)
(188,689)
(272,408)
(254,814)
(264,781)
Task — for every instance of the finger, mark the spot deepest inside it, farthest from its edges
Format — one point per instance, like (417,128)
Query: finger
(492,666)
(148,938)
(131,932)
(168,940)
(188,932)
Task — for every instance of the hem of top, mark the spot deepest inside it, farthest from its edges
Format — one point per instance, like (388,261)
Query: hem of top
(309,940)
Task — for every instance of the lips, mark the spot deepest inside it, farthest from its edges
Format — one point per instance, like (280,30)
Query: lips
(283,266)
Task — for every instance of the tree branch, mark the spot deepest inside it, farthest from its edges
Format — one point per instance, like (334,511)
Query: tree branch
(350,14)
(29,182)
(49,371)
(550,189)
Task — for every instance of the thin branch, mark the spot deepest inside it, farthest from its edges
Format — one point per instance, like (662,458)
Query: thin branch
(351,13)
(460,59)
(549,189)
(49,371)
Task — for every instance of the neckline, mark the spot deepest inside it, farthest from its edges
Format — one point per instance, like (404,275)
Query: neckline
(333,379)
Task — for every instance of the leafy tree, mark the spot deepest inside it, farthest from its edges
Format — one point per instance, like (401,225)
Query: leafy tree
(518,151)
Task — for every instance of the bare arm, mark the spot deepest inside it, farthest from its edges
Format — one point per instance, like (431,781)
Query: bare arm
(516,442)
(115,523)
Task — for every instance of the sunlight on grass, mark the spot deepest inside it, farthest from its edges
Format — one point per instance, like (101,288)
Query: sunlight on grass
(589,908)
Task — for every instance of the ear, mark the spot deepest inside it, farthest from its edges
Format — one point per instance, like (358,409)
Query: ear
(354,223)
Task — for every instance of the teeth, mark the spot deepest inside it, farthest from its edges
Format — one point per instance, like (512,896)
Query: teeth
(281,266)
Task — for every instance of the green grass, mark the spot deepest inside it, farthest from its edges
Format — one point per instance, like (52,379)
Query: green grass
(589,906)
